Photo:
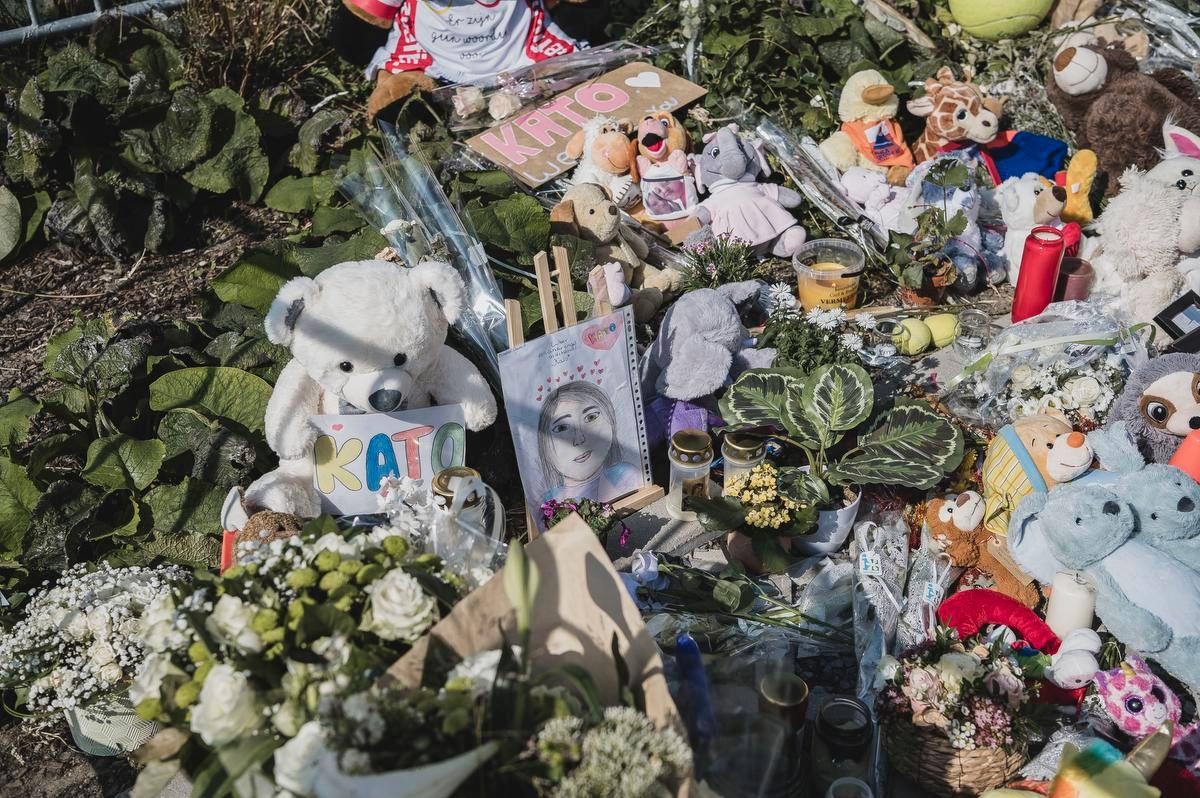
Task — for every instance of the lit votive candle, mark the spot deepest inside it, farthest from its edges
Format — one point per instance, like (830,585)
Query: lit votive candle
(828,271)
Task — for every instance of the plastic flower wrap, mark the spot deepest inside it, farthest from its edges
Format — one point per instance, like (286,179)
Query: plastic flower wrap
(1073,357)
(974,694)
(82,639)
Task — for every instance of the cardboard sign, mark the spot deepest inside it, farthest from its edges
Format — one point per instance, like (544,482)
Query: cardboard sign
(355,453)
(533,145)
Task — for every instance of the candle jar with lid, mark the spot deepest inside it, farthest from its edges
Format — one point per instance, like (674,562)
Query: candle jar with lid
(691,455)
(741,454)
(475,504)
(841,746)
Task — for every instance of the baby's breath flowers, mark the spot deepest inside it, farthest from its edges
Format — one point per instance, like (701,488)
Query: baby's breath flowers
(81,639)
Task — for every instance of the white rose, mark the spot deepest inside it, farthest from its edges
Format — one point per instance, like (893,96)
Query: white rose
(75,625)
(886,670)
(158,630)
(230,622)
(503,105)
(354,762)
(149,678)
(130,627)
(101,653)
(99,623)
(400,609)
(296,760)
(1021,377)
(1084,390)
(55,616)
(227,708)
(110,673)
(332,541)
(468,101)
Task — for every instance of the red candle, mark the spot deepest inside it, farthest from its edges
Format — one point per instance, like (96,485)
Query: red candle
(1187,456)
(228,540)
(1039,272)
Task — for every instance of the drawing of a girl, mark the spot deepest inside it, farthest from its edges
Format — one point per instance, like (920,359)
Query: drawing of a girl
(577,446)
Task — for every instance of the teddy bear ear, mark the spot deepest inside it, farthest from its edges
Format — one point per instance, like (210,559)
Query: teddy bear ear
(286,308)
(562,218)
(575,145)
(1180,141)
(444,284)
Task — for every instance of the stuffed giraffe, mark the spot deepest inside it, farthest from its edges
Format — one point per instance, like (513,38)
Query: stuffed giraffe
(954,110)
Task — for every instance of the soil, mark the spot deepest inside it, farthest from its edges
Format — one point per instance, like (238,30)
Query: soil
(42,763)
(41,292)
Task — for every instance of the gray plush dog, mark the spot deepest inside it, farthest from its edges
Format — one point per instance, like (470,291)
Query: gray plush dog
(738,206)
(1145,596)
(1160,404)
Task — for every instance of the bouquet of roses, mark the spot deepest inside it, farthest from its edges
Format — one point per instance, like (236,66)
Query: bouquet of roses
(80,639)
(973,693)
(245,657)
(1084,394)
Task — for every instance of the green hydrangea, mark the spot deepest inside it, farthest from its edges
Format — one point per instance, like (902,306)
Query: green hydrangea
(302,578)
(327,561)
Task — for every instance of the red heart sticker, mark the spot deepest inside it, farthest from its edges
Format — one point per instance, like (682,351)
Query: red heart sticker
(598,381)
(595,362)
(579,368)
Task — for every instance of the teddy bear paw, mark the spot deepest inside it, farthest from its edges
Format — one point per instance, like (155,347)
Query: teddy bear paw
(479,415)
(283,493)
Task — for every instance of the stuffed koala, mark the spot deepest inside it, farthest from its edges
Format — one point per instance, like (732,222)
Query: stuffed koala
(1146,597)
(1160,404)
(366,337)
(1116,110)
(587,211)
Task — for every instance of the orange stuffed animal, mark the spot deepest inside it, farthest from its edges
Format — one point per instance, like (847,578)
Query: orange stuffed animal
(956,525)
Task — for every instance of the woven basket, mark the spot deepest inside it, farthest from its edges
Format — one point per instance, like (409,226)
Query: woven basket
(926,756)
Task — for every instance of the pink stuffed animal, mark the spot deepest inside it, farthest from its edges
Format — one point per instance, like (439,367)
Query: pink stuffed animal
(1139,702)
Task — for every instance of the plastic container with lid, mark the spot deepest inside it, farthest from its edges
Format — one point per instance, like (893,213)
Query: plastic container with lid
(828,271)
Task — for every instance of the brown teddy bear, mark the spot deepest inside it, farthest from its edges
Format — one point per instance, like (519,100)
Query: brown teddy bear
(955,524)
(622,275)
(1117,111)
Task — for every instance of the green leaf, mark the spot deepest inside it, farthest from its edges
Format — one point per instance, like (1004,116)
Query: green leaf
(722,514)
(323,620)
(517,224)
(363,245)
(190,506)
(31,138)
(774,559)
(914,446)
(105,366)
(33,210)
(196,549)
(119,515)
(12,229)
(185,134)
(121,461)
(66,505)
(757,397)
(327,220)
(240,164)
(51,447)
(217,391)
(18,497)
(299,194)
(254,280)
(98,200)
(727,594)
(73,70)
(218,455)
(326,125)
(521,584)
(838,397)
(15,417)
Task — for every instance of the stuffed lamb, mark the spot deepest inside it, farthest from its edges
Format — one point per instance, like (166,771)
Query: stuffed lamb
(365,336)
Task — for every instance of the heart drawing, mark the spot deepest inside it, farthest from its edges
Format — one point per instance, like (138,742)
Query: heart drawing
(600,336)
(336,427)
(645,80)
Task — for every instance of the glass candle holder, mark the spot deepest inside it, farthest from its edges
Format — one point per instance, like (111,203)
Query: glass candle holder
(828,271)
(974,332)
(741,455)
(691,456)
(842,744)
(444,484)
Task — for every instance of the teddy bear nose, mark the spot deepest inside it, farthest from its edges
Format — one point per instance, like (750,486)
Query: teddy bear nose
(385,400)
(1111,508)
(1064,59)
(1185,505)
(1059,193)
(1075,440)
(1194,422)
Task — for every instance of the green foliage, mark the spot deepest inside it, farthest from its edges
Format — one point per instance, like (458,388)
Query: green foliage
(910,444)
(718,261)
(802,345)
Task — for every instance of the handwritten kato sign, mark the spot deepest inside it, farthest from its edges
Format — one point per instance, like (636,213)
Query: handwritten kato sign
(355,453)
(533,145)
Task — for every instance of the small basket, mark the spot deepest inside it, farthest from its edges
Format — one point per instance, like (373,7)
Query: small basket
(926,756)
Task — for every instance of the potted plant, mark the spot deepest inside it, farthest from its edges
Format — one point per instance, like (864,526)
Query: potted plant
(830,416)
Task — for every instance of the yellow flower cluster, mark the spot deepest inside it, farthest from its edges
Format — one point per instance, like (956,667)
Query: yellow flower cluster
(758,492)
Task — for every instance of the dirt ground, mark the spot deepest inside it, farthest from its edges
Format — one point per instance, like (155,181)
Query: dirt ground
(44,764)
(41,292)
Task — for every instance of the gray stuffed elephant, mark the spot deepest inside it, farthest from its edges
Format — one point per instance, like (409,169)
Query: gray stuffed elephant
(737,205)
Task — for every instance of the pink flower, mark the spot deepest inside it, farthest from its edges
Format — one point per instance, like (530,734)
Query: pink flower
(1004,683)
(923,683)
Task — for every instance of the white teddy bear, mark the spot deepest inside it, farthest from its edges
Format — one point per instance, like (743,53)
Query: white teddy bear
(365,336)
(1144,232)
(1027,202)
(882,203)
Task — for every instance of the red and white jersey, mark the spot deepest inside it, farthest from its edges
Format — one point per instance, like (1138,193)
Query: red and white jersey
(464,41)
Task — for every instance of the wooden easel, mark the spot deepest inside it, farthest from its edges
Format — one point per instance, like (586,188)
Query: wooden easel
(641,497)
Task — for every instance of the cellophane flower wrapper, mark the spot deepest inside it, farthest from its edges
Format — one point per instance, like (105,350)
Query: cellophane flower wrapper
(878,599)
(1172,33)
(473,106)
(398,194)
(1074,339)
(927,565)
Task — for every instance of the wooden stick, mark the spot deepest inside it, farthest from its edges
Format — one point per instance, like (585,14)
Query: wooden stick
(545,287)
(512,312)
(566,290)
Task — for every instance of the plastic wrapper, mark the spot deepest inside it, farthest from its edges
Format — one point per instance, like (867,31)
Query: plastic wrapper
(880,551)
(1172,32)
(931,573)
(478,105)
(1081,334)
(398,194)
